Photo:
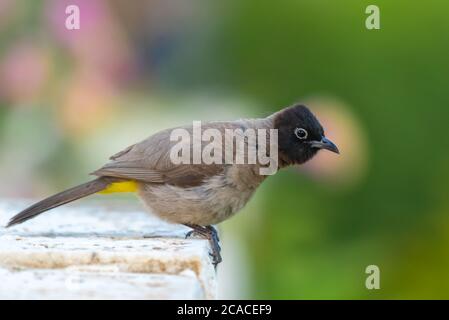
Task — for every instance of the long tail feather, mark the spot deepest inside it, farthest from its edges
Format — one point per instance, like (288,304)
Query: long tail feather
(61,198)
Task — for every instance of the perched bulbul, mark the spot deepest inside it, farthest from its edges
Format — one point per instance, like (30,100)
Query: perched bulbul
(197,195)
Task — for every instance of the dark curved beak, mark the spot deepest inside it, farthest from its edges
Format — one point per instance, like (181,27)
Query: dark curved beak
(325,143)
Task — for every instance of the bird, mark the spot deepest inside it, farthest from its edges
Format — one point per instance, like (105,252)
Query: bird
(197,195)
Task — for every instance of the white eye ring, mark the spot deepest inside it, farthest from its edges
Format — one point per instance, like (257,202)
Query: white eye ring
(301,133)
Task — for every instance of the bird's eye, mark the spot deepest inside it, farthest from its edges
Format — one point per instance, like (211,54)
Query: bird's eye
(301,133)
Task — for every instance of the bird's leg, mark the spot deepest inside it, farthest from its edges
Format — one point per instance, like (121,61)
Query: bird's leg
(215,238)
(215,244)
(210,233)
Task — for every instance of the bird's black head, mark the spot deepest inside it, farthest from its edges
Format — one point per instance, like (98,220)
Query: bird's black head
(300,135)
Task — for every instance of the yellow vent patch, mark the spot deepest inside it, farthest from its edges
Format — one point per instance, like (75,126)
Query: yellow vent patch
(125,186)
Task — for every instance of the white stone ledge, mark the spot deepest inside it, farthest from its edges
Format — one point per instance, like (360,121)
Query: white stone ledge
(119,253)
(95,284)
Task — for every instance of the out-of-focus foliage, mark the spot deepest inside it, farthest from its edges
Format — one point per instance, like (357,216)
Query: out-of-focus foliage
(68,99)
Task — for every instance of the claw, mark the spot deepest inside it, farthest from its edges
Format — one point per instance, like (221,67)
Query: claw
(211,234)
(191,233)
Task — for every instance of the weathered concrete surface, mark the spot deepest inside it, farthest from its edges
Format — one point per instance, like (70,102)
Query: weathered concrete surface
(82,252)
(96,284)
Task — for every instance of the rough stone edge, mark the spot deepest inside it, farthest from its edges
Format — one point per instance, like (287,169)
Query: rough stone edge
(134,262)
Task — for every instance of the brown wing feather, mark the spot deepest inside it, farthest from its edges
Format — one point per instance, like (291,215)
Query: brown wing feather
(149,161)
(121,153)
(179,175)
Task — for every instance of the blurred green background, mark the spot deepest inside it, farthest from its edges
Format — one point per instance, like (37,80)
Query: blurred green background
(69,99)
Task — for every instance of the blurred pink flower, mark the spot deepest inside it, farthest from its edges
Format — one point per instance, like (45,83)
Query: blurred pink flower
(23,71)
(99,44)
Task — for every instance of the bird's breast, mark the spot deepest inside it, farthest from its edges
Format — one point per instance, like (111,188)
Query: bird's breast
(215,200)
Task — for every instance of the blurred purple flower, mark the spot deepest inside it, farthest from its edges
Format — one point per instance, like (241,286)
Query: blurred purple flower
(92,15)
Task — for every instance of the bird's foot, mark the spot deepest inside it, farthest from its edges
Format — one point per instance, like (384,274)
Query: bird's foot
(211,234)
